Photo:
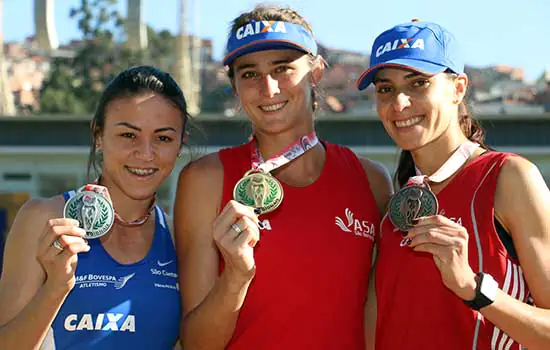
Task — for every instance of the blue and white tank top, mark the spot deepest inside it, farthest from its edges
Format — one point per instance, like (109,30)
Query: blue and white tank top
(117,306)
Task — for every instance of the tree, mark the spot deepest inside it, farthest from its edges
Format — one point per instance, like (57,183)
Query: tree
(76,83)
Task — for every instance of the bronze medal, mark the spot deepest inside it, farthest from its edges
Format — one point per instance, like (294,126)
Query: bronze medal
(259,190)
(412,202)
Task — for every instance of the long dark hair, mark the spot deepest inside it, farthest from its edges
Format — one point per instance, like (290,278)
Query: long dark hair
(470,127)
(132,82)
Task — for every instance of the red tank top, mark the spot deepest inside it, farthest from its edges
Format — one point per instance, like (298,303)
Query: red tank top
(313,260)
(415,309)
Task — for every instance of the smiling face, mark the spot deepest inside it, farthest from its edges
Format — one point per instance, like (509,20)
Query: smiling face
(416,109)
(140,141)
(274,88)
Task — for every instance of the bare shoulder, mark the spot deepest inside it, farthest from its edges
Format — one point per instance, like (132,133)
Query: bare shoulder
(380,181)
(203,170)
(198,200)
(198,196)
(375,171)
(35,213)
(520,188)
(22,275)
(521,204)
(516,168)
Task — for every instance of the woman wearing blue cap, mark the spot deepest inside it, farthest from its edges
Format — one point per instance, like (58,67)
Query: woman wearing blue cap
(302,282)
(462,250)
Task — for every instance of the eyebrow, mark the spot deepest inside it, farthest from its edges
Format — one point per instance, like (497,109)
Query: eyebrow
(128,125)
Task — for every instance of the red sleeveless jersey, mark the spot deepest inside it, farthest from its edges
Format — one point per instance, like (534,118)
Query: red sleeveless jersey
(313,260)
(415,309)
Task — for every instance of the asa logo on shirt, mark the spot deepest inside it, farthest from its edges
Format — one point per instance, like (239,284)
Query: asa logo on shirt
(362,228)
(114,322)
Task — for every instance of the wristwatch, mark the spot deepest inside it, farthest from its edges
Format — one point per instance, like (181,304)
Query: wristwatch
(486,291)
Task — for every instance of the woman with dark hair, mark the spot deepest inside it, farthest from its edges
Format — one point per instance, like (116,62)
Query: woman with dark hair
(462,251)
(302,282)
(95,267)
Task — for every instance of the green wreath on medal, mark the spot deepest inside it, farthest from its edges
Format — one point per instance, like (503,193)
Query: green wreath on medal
(259,190)
(92,209)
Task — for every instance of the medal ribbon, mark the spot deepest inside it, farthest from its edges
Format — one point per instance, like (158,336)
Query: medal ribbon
(295,150)
(102,190)
(451,166)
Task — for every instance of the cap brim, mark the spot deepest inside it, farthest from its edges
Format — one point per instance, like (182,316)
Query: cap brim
(262,45)
(422,67)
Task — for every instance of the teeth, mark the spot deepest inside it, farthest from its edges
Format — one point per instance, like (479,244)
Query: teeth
(141,172)
(273,108)
(408,122)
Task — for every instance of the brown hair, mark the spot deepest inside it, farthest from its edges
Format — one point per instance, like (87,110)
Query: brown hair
(470,127)
(272,13)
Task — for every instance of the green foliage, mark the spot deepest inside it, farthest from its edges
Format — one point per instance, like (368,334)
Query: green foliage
(75,83)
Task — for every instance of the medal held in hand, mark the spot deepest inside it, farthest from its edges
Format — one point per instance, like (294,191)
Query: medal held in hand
(259,190)
(416,199)
(91,206)
(411,202)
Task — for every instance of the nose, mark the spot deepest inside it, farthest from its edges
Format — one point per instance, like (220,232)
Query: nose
(270,86)
(401,102)
(146,150)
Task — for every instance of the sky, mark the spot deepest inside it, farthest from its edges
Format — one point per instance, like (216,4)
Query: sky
(510,32)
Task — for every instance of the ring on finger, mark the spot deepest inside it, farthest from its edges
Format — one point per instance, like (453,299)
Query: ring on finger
(236,228)
(57,245)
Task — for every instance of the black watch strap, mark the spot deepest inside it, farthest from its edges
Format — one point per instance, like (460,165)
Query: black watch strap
(485,291)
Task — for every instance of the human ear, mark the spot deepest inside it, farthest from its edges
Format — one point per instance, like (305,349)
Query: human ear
(460,88)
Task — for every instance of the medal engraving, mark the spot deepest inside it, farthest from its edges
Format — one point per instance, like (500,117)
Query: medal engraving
(93,211)
(259,190)
(409,203)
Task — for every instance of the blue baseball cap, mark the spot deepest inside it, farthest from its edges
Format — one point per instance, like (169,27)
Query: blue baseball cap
(268,35)
(424,47)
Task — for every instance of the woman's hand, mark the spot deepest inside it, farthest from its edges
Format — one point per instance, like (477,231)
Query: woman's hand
(447,241)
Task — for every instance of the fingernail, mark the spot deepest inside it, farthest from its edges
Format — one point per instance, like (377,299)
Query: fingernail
(260,225)
(404,233)
(257,211)
(409,241)
(415,221)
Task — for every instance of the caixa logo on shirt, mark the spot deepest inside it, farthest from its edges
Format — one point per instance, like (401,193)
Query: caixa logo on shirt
(115,322)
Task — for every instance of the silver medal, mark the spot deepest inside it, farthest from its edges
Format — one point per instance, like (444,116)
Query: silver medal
(93,211)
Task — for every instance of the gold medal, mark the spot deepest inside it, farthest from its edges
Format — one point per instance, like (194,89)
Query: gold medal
(259,190)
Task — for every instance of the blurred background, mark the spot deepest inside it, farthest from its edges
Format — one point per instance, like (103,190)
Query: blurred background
(56,57)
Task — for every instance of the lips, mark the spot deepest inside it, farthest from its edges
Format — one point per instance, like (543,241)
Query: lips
(409,122)
(141,171)
(273,107)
